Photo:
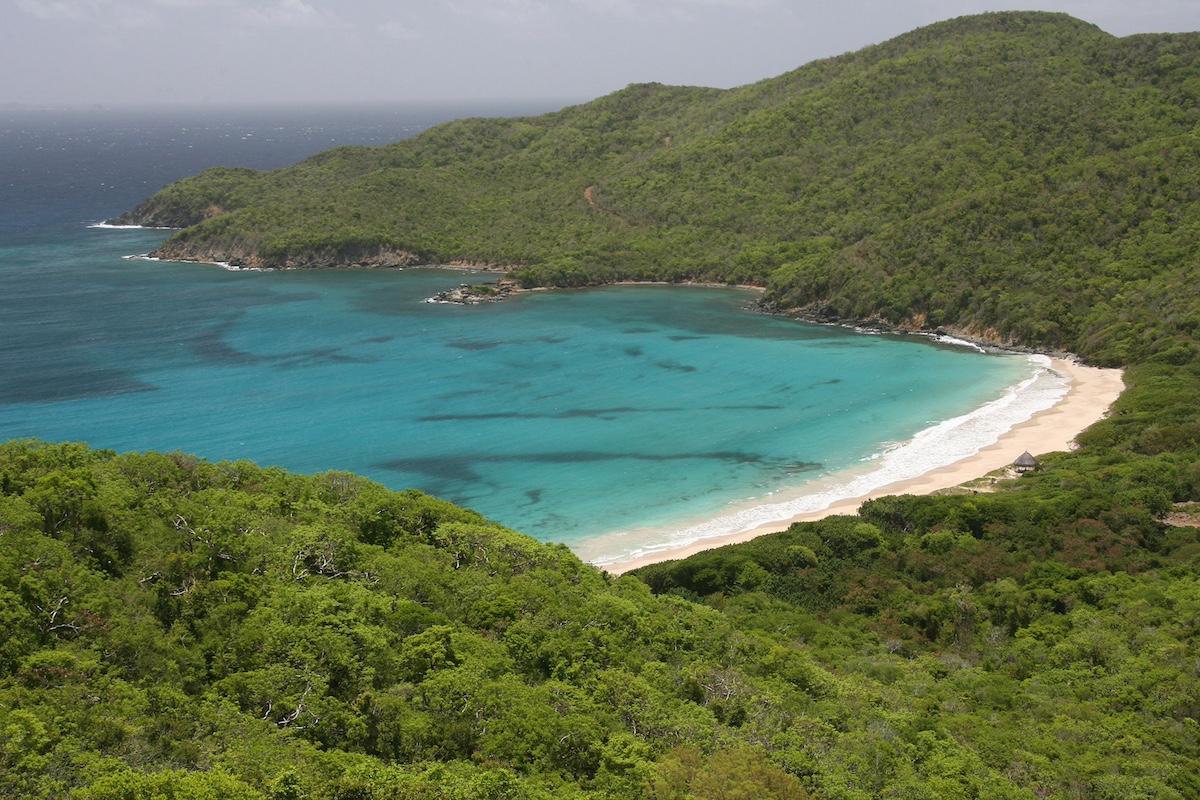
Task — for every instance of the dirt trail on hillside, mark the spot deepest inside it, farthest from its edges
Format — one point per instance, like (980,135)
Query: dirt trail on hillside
(589,194)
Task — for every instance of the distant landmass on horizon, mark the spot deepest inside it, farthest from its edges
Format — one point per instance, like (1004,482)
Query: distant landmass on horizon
(996,176)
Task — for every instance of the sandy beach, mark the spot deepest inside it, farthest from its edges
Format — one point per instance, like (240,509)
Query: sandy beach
(1091,392)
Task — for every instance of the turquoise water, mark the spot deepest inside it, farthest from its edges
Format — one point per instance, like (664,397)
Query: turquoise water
(561,414)
(565,415)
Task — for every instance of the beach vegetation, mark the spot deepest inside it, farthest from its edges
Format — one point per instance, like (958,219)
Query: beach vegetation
(171,627)
(180,628)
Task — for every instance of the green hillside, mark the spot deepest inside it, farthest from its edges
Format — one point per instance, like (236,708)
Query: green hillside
(1021,177)
(172,628)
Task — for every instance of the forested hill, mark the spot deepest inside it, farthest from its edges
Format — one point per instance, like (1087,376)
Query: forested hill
(171,629)
(1022,177)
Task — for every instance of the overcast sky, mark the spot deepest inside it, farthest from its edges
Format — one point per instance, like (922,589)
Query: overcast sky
(120,52)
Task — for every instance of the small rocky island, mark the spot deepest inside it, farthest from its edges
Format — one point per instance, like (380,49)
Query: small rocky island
(468,294)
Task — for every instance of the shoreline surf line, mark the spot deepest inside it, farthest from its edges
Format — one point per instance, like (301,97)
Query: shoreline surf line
(1090,393)
(108,226)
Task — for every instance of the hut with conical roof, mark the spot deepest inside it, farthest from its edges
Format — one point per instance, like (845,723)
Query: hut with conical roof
(1025,463)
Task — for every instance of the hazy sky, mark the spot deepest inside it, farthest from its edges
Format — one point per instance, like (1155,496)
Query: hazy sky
(190,51)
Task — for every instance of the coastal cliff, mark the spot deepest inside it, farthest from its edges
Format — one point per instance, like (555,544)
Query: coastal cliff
(244,257)
(173,209)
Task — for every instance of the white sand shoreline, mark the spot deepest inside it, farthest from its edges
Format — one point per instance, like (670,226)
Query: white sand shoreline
(1090,393)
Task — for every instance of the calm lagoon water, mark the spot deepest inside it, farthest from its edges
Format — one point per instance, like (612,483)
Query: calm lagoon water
(565,415)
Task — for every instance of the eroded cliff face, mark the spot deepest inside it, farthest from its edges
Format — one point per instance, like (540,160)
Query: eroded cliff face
(247,257)
(154,213)
(984,336)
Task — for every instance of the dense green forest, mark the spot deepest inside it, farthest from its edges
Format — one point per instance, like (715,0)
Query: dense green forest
(180,629)
(174,628)
(1021,177)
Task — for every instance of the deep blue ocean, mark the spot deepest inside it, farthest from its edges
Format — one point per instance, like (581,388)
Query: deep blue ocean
(565,415)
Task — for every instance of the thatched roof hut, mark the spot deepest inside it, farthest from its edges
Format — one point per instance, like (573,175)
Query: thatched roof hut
(1026,462)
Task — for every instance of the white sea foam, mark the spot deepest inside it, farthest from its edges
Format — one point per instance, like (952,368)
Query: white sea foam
(951,340)
(221,264)
(938,446)
(232,267)
(110,227)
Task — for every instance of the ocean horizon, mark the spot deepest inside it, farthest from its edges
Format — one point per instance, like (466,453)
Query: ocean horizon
(620,420)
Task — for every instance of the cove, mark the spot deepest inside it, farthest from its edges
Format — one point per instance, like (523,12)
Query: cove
(566,415)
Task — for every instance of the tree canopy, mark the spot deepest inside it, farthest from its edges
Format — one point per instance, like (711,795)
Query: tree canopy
(175,628)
